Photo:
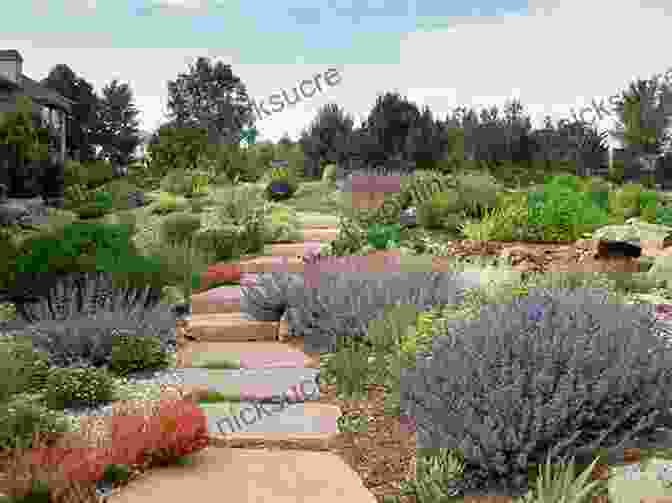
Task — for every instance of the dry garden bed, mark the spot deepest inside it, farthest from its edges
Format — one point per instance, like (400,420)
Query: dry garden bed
(382,448)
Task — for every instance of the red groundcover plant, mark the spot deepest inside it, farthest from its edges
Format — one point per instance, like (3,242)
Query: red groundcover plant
(180,428)
(223,272)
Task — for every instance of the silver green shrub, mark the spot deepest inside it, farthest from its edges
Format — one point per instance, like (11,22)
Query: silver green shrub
(343,303)
(558,371)
(86,293)
(88,340)
(268,299)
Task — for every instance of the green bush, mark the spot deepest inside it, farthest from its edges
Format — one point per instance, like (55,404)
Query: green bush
(648,204)
(22,417)
(626,200)
(478,194)
(74,173)
(91,211)
(664,215)
(96,173)
(174,148)
(33,364)
(282,224)
(168,203)
(79,247)
(243,204)
(120,190)
(72,387)
(132,353)
(563,214)
(381,236)
(329,173)
(178,181)
(179,227)
(569,181)
(116,473)
(222,242)
(253,235)
(433,213)
(76,195)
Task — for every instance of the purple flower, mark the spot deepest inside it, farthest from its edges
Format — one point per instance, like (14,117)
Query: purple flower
(664,311)
(535,312)
(279,187)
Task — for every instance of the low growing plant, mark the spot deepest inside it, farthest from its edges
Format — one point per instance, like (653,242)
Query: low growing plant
(137,353)
(71,387)
(561,485)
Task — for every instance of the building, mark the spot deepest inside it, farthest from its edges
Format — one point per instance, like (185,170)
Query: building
(50,108)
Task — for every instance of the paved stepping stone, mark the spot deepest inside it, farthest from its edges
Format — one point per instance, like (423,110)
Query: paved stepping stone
(320,234)
(267,385)
(257,418)
(294,250)
(225,299)
(272,264)
(231,327)
(245,355)
(251,476)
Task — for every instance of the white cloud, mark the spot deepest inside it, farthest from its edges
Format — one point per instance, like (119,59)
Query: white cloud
(557,58)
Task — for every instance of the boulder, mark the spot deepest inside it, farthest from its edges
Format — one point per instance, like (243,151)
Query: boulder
(12,213)
(408,217)
(23,211)
(637,231)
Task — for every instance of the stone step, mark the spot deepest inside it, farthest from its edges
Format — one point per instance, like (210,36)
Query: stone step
(225,299)
(246,355)
(231,327)
(294,250)
(251,476)
(270,385)
(255,421)
(272,264)
(323,234)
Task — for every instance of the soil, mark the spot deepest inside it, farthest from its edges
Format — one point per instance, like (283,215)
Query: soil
(546,257)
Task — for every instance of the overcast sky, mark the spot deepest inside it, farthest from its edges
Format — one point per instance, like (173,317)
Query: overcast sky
(554,56)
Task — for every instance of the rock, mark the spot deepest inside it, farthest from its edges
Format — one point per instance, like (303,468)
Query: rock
(136,199)
(22,211)
(649,235)
(610,249)
(408,217)
(12,214)
(182,310)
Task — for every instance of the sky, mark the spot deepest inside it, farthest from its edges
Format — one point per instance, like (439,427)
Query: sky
(555,56)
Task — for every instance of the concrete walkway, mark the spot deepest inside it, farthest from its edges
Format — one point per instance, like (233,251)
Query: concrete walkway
(271,390)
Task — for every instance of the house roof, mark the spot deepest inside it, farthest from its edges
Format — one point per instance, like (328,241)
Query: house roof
(39,93)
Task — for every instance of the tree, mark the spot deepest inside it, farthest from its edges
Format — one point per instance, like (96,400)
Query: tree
(285,140)
(211,97)
(84,111)
(644,111)
(326,138)
(427,141)
(117,128)
(175,147)
(389,123)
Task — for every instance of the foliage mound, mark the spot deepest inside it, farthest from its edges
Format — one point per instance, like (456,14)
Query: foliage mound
(564,372)
(75,250)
